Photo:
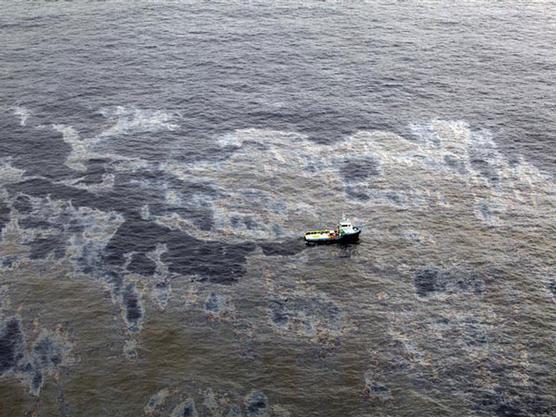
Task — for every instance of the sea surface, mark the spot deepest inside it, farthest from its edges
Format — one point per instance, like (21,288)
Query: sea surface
(160,161)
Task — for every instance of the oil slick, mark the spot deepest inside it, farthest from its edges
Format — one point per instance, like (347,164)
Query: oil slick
(209,250)
(32,362)
(196,401)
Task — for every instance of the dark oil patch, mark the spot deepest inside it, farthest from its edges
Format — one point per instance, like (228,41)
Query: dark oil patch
(4,214)
(394,198)
(256,404)
(474,334)
(40,152)
(375,389)
(186,255)
(47,353)
(63,406)
(11,344)
(245,222)
(552,288)
(185,409)
(36,222)
(7,261)
(37,381)
(360,169)
(286,248)
(212,304)
(128,196)
(133,309)
(233,411)
(96,169)
(480,162)
(40,187)
(299,314)
(511,403)
(114,279)
(141,264)
(42,247)
(200,217)
(150,187)
(455,164)
(22,203)
(357,193)
(431,280)
(279,313)
(428,281)
(485,211)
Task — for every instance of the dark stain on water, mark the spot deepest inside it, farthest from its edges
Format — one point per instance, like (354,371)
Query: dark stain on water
(246,222)
(185,409)
(52,245)
(512,403)
(22,204)
(39,152)
(428,281)
(375,390)
(211,260)
(256,404)
(480,161)
(141,264)
(431,280)
(234,411)
(37,380)
(552,288)
(358,193)
(11,344)
(285,248)
(361,169)
(279,312)
(8,261)
(38,222)
(96,169)
(4,214)
(484,210)
(456,164)
(133,309)
(212,303)
(474,334)
(128,196)
(113,278)
(47,353)
(40,187)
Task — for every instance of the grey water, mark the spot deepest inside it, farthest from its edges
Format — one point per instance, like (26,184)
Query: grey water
(160,161)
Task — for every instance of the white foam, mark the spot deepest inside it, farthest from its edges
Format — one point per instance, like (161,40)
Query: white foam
(8,173)
(87,245)
(156,401)
(84,149)
(80,147)
(133,120)
(160,287)
(106,183)
(23,113)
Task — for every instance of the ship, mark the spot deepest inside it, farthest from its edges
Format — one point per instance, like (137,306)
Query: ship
(344,232)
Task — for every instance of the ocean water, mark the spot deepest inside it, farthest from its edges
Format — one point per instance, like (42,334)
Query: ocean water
(160,160)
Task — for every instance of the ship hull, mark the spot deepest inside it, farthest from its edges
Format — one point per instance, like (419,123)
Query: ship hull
(345,238)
